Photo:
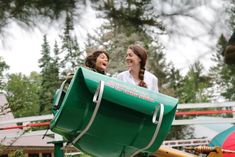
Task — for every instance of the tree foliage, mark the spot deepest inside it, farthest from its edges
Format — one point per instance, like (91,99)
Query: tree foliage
(190,88)
(3,68)
(127,22)
(231,13)
(223,74)
(195,83)
(22,94)
(73,57)
(50,77)
(17,153)
(30,12)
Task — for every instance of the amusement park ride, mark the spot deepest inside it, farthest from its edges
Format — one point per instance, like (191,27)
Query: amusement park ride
(105,117)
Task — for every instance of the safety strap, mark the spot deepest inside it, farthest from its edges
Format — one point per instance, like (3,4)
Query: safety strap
(158,123)
(96,99)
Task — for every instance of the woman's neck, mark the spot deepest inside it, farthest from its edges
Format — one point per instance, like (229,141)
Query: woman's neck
(135,74)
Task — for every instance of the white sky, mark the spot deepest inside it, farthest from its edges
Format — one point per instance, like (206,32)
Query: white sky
(22,48)
(185,51)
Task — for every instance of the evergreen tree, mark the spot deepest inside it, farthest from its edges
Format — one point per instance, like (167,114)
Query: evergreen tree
(175,83)
(46,94)
(226,72)
(175,88)
(195,84)
(158,65)
(50,76)
(30,12)
(129,24)
(231,13)
(191,88)
(73,57)
(223,75)
(55,67)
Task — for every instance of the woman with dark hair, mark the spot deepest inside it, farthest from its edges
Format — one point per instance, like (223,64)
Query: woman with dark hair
(98,61)
(136,74)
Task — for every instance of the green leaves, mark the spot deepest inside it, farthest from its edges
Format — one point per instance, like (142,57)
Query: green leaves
(30,12)
(50,77)
(194,85)
(22,94)
(223,75)
(73,57)
(3,68)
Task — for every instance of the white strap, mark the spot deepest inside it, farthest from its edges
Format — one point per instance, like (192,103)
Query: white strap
(98,94)
(158,123)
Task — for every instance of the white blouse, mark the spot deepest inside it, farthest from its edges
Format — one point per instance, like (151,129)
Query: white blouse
(150,79)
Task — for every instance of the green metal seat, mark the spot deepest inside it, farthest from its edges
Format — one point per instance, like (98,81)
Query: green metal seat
(105,117)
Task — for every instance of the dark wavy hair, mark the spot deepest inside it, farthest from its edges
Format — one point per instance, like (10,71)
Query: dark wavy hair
(142,54)
(90,60)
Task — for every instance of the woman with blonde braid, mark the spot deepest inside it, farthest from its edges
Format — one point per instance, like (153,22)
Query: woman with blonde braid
(136,74)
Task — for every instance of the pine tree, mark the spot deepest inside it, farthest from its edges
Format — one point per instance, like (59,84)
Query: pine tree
(191,88)
(46,93)
(55,71)
(175,83)
(231,13)
(73,57)
(128,24)
(195,85)
(158,65)
(223,75)
(31,12)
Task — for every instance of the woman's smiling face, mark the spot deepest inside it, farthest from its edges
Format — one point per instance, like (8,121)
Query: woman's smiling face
(132,59)
(102,62)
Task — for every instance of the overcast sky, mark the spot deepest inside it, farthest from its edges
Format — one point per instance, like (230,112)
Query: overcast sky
(22,48)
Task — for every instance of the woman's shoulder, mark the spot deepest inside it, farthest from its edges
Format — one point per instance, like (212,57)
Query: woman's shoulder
(123,73)
(149,74)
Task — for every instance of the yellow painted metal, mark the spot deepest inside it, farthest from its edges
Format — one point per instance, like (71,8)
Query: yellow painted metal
(164,151)
(217,153)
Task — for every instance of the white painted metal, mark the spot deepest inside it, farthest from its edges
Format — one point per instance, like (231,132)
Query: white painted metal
(176,143)
(27,119)
(197,121)
(206,105)
(175,122)
(206,121)
(191,142)
(73,153)
(27,134)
